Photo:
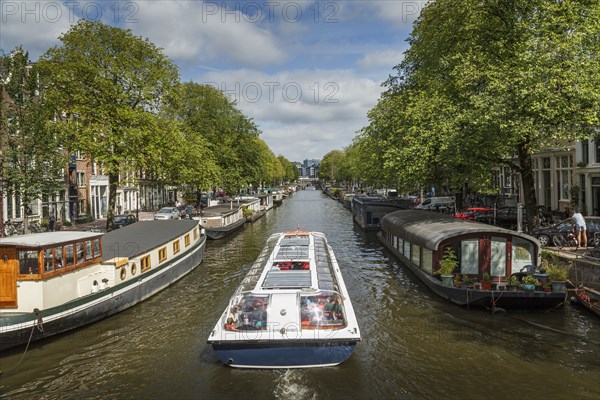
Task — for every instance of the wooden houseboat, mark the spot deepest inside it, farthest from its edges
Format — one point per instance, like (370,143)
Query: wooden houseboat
(292,309)
(420,239)
(222,219)
(56,281)
(251,208)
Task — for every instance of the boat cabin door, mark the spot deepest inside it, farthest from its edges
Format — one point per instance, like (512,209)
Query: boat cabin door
(284,315)
(8,277)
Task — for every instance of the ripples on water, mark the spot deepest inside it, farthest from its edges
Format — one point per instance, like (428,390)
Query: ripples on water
(414,344)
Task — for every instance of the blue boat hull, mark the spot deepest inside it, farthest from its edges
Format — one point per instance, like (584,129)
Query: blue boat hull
(284,355)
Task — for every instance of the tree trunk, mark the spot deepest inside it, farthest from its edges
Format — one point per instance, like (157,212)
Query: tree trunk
(528,184)
(113,183)
(1,211)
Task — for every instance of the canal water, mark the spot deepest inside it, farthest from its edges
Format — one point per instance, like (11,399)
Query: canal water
(415,345)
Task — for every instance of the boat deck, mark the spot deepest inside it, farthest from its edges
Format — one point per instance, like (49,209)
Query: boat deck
(141,237)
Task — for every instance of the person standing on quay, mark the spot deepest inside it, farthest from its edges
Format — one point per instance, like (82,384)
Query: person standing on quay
(580,227)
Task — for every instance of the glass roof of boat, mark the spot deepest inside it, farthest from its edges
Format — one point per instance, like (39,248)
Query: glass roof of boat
(293,247)
(287,279)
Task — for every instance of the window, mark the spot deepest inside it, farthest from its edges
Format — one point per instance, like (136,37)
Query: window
(58,257)
(195,233)
(48,261)
(96,244)
(28,262)
(162,254)
(427,260)
(406,251)
(145,262)
(176,248)
(585,151)
(88,250)
(416,255)
(80,178)
(69,256)
(79,246)
(187,240)
(564,171)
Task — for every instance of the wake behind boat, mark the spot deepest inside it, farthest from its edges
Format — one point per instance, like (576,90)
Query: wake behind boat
(292,309)
(56,281)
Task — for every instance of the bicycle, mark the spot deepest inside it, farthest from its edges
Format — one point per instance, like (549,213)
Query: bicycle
(563,240)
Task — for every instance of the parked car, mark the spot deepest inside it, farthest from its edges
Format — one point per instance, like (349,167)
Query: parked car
(470,212)
(168,213)
(544,234)
(122,220)
(433,203)
(506,217)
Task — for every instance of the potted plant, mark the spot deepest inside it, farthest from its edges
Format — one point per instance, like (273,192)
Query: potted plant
(558,276)
(486,281)
(513,283)
(529,283)
(448,264)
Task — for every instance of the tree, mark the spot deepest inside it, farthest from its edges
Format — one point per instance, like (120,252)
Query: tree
(107,86)
(483,81)
(31,159)
(228,133)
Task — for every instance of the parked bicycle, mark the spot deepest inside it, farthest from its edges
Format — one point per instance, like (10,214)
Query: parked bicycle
(567,239)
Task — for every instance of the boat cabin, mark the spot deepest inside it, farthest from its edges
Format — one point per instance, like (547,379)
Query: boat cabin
(421,238)
(41,256)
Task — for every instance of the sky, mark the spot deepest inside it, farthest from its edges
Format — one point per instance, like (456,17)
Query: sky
(306,72)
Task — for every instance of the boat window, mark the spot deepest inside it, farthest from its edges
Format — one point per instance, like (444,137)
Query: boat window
(48,260)
(69,255)
(176,248)
(427,260)
(79,246)
(28,262)
(415,255)
(97,248)
(58,257)
(250,313)
(162,254)
(186,240)
(522,253)
(145,264)
(498,259)
(406,250)
(88,250)
(469,256)
(287,279)
(322,311)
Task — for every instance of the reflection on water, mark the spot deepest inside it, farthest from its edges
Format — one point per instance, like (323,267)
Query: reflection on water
(415,345)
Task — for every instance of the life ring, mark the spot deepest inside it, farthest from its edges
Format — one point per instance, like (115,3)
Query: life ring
(123,274)
(133,269)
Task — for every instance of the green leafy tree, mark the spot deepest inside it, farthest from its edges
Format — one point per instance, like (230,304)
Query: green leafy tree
(31,158)
(108,85)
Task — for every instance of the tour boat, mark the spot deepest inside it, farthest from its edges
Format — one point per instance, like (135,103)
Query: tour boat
(292,309)
(421,238)
(53,282)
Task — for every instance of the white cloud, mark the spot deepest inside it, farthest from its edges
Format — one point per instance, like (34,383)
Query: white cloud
(382,58)
(203,33)
(34,25)
(302,113)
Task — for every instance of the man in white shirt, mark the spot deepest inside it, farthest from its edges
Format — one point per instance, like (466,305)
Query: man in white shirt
(580,227)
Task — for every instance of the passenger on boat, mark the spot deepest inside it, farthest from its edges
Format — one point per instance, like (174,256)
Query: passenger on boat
(230,325)
(333,306)
(234,315)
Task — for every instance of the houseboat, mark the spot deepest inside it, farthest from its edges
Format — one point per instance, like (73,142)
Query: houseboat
(368,211)
(222,219)
(292,310)
(56,281)
(251,208)
(421,239)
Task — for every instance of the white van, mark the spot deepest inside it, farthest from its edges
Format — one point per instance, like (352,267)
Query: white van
(433,203)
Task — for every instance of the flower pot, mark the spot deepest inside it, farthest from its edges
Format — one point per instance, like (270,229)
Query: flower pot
(559,286)
(448,280)
(486,285)
(541,277)
(528,287)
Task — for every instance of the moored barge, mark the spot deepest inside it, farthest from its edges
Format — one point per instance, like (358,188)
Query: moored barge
(420,240)
(56,281)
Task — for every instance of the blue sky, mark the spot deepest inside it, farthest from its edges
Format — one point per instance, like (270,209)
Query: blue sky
(307,72)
